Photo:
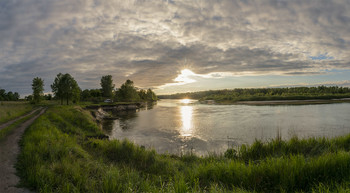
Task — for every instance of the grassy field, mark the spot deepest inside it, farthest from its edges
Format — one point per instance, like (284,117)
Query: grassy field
(5,131)
(64,151)
(10,110)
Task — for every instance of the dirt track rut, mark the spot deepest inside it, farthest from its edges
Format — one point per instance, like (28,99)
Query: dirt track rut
(9,149)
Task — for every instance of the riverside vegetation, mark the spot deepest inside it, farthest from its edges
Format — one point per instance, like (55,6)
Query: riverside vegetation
(265,94)
(64,151)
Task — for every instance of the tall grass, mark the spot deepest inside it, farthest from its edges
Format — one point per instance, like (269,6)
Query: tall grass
(63,152)
(10,110)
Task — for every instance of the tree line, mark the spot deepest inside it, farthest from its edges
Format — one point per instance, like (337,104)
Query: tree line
(8,96)
(65,88)
(126,93)
(240,94)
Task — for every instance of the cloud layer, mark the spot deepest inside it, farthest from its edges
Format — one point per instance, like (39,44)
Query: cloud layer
(150,42)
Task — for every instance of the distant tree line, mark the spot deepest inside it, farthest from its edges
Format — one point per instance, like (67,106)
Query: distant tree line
(8,96)
(240,94)
(66,89)
(126,93)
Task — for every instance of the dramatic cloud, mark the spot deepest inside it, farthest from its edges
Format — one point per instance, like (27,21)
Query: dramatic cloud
(151,42)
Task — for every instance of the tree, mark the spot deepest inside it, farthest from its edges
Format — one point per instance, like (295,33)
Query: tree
(143,94)
(48,97)
(16,96)
(57,87)
(10,96)
(127,92)
(65,87)
(29,98)
(151,96)
(2,94)
(107,86)
(38,89)
(85,95)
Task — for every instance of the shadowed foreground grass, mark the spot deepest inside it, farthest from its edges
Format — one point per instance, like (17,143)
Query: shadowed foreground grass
(63,152)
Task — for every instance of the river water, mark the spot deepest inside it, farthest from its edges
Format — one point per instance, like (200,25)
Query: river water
(182,126)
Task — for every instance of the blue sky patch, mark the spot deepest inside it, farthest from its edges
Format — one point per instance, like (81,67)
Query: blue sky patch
(322,57)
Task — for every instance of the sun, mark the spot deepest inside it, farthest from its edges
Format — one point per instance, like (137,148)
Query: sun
(187,72)
(185,77)
(185,101)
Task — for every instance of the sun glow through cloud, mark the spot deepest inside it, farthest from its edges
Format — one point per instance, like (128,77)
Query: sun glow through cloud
(184,77)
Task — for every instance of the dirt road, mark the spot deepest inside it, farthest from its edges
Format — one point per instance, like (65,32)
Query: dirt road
(9,149)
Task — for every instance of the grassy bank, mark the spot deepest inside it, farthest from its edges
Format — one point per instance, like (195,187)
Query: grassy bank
(10,110)
(63,151)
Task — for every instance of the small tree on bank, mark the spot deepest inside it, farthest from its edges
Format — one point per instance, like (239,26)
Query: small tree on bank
(151,96)
(128,92)
(107,86)
(38,89)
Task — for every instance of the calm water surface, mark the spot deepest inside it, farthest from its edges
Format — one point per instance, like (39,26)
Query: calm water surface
(180,126)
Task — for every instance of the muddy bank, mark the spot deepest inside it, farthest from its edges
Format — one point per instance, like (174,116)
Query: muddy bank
(116,107)
(105,112)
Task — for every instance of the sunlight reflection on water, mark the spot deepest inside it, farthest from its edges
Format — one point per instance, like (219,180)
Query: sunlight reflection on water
(175,125)
(186,118)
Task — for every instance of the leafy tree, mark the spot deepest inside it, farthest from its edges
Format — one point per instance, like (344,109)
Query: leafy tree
(65,87)
(38,89)
(10,96)
(143,94)
(2,94)
(48,97)
(151,96)
(16,96)
(128,92)
(85,94)
(29,98)
(107,86)
(57,87)
(96,93)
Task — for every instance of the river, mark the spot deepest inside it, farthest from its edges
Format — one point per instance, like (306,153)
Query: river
(183,126)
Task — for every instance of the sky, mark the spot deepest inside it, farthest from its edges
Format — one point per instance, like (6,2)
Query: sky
(175,45)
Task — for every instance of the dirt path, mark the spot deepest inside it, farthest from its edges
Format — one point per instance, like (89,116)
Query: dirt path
(9,149)
(16,119)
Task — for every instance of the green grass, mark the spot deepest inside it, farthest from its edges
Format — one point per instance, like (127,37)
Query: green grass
(63,152)
(7,130)
(11,110)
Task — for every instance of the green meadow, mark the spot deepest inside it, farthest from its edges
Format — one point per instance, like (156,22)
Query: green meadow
(65,151)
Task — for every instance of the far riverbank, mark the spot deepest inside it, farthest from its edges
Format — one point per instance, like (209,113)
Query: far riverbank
(283,102)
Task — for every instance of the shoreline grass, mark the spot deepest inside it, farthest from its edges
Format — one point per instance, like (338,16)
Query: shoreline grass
(63,151)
